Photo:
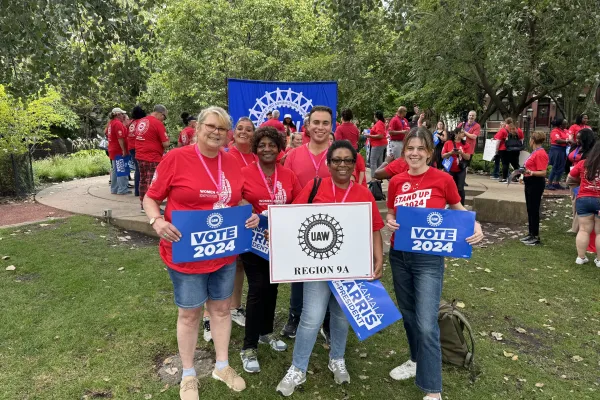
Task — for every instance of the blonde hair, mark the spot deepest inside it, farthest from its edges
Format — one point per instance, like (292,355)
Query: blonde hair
(538,137)
(220,113)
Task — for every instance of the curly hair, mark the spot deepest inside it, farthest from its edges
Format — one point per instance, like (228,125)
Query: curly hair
(340,144)
(270,133)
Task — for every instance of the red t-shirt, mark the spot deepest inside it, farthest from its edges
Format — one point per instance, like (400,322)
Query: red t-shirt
(558,134)
(378,129)
(537,161)
(358,168)
(182,179)
(474,129)
(502,135)
(150,135)
(432,189)
(396,167)
(186,135)
(242,159)
(299,160)
(357,194)
(348,131)
(576,128)
(115,131)
(586,188)
(257,194)
(131,134)
(449,146)
(398,124)
(575,155)
(275,123)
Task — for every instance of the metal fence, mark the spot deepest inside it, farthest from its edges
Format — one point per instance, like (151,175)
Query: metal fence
(16,175)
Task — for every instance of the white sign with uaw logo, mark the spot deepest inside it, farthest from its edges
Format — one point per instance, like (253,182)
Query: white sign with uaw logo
(434,231)
(320,242)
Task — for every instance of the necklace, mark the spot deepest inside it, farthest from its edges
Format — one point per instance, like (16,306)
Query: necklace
(416,187)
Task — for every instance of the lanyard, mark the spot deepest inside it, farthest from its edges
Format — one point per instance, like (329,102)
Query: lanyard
(312,158)
(262,175)
(244,158)
(347,191)
(576,152)
(218,185)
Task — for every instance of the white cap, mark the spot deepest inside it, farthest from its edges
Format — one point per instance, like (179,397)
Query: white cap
(287,116)
(117,110)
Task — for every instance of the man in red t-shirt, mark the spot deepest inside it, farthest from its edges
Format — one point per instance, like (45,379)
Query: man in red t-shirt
(274,122)
(307,162)
(472,131)
(347,130)
(151,141)
(116,134)
(398,128)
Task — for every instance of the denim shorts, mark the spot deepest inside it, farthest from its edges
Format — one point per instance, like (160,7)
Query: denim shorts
(586,206)
(192,290)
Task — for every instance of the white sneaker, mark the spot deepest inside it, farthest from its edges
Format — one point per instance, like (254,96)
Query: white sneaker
(405,371)
(207,334)
(581,261)
(597,262)
(238,315)
(431,398)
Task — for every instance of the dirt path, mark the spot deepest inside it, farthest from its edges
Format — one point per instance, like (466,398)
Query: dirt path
(20,211)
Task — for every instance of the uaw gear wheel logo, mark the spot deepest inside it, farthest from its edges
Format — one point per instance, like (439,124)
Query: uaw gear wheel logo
(214,220)
(278,99)
(320,236)
(435,219)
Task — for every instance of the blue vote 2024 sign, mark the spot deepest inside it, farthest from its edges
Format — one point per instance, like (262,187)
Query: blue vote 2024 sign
(366,304)
(211,234)
(260,245)
(434,231)
(122,164)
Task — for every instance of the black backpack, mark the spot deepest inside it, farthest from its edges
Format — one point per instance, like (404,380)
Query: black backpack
(376,190)
(513,143)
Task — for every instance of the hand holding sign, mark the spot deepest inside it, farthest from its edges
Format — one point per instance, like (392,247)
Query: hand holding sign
(166,230)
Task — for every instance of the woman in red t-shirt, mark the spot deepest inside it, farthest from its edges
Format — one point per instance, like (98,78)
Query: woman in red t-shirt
(241,148)
(418,277)
(584,142)
(116,134)
(559,138)
(187,133)
(580,123)
(338,188)
(378,141)
(136,114)
(199,177)
(266,182)
(534,178)
(508,155)
(459,150)
(586,175)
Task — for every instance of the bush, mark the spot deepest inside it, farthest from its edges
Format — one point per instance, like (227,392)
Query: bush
(82,164)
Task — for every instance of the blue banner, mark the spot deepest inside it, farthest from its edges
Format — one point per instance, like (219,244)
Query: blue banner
(260,245)
(366,304)
(211,234)
(447,163)
(434,231)
(254,99)
(122,164)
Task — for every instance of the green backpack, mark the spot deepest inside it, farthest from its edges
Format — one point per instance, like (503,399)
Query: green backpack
(455,349)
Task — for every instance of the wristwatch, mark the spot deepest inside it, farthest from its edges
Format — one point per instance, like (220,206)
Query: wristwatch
(153,219)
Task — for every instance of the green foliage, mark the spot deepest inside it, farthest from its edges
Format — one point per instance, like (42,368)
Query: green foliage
(83,164)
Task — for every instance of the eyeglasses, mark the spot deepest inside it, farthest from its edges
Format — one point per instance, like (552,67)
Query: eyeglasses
(339,161)
(212,128)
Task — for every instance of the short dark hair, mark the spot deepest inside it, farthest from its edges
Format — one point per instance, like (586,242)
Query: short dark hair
(557,121)
(347,114)
(270,113)
(138,112)
(579,118)
(379,115)
(340,144)
(270,133)
(322,109)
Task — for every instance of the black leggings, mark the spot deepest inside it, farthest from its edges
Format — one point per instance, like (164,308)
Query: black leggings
(512,158)
(459,179)
(534,189)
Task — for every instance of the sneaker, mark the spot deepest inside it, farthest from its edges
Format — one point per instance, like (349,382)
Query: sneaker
(549,187)
(207,334)
(250,361)
(327,336)
(558,186)
(143,211)
(188,388)
(294,377)
(526,238)
(289,330)
(502,181)
(230,377)
(534,241)
(494,178)
(238,315)
(431,398)
(405,371)
(340,373)
(581,261)
(597,262)
(273,341)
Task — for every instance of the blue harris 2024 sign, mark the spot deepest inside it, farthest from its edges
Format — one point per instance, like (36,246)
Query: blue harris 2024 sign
(254,99)
(260,244)
(211,234)
(366,304)
(434,231)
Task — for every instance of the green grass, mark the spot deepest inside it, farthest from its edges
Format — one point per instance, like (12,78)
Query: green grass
(71,323)
(83,164)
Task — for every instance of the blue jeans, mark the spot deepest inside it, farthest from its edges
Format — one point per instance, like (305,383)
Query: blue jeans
(418,282)
(136,175)
(118,185)
(496,172)
(317,296)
